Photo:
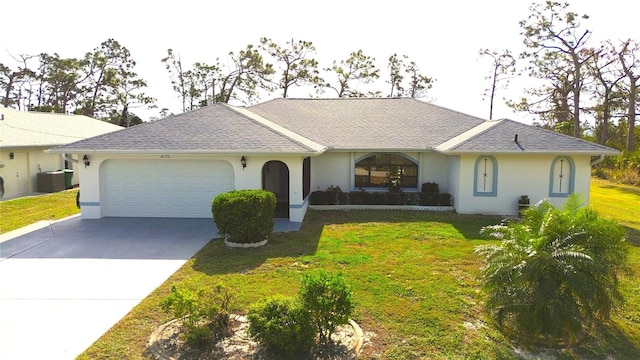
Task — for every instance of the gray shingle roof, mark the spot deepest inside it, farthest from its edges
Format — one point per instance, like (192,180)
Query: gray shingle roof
(498,137)
(215,128)
(367,123)
(310,126)
(31,129)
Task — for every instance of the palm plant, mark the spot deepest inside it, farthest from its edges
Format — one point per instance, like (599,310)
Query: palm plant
(554,274)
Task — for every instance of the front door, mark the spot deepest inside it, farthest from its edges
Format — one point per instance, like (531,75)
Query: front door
(275,178)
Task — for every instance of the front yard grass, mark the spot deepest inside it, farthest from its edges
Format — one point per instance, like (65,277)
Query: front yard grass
(24,211)
(413,276)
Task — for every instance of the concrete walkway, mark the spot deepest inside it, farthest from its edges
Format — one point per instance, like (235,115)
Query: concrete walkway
(63,284)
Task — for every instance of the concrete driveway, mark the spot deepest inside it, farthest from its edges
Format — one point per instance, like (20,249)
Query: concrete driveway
(63,284)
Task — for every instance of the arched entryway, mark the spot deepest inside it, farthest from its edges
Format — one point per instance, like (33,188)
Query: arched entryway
(275,178)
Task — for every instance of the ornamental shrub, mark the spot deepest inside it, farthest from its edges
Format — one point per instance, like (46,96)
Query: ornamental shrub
(244,216)
(327,299)
(282,325)
(205,312)
(430,187)
(361,197)
(554,274)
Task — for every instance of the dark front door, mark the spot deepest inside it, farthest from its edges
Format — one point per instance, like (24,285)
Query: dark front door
(275,178)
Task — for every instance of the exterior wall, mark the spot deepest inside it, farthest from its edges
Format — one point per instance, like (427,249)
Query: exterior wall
(454,178)
(337,169)
(433,168)
(517,175)
(20,174)
(91,179)
(332,169)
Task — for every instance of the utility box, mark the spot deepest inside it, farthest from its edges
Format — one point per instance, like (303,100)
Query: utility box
(51,181)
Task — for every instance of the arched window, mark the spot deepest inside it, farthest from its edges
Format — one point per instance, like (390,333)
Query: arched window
(561,177)
(485,176)
(385,171)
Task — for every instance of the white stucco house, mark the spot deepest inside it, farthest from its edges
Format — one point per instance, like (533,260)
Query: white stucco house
(174,167)
(24,137)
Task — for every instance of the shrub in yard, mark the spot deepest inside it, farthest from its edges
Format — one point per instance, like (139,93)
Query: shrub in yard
(327,298)
(282,325)
(334,197)
(430,187)
(204,312)
(554,274)
(244,216)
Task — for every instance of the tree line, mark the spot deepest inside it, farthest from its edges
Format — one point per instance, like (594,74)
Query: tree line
(583,89)
(104,85)
(271,68)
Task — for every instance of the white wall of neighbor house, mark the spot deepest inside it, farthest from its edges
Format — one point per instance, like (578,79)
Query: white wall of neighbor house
(14,170)
(92,178)
(517,175)
(39,161)
(20,173)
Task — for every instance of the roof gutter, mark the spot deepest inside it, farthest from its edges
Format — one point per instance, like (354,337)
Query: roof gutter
(182,152)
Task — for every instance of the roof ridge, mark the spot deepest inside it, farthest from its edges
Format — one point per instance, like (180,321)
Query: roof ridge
(280,130)
(468,135)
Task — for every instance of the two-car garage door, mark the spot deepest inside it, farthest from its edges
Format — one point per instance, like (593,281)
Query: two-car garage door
(164,188)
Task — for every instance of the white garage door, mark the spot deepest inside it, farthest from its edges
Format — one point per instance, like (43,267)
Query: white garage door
(164,188)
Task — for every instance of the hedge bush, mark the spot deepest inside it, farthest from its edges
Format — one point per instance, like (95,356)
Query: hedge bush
(205,312)
(321,197)
(289,326)
(327,298)
(282,325)
(244,216)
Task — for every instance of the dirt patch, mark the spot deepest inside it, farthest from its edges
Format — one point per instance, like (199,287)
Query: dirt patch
(165,344)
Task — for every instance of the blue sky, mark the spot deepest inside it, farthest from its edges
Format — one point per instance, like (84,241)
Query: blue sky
(442,37)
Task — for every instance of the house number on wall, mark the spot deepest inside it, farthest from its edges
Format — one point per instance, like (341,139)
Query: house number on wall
(164,156)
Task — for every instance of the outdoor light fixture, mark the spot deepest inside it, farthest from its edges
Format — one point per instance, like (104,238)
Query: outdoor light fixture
(243,161)
(12,155)
(86,161)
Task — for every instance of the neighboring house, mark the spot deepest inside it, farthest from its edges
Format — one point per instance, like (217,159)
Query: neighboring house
(24,137)
(174,167)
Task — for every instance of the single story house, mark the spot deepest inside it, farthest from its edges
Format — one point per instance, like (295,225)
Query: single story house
(174,167)
(24,137)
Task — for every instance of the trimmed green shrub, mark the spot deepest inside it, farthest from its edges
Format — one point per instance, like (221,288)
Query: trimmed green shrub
(434,199)
(430,187)
(380,198)
(282,325)
(327,298)
(554,274)
(244,216)
(205,312)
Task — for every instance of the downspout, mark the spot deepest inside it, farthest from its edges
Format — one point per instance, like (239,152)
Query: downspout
(68,157)
(597,161)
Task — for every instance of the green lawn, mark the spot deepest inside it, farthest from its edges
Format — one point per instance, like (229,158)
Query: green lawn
(413,275)
(620,202)
(20,212)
